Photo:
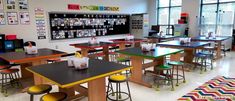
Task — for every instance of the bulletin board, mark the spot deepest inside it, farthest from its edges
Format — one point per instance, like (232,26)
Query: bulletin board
(77,25)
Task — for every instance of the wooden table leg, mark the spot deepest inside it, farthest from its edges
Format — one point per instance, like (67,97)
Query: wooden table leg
(97,90)
(189,55)
(25,74)
(37,79)
(121,47)
(106,53)
(84,52)
(138,44)
(218,50)
(136,72)
(69,91)
(175,57)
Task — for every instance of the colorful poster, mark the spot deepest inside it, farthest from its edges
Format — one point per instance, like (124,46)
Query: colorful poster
(11,4)
(2,18)
(92,7)
(12,18)
(1,5)
(40,23)
(24,18)
(23,4)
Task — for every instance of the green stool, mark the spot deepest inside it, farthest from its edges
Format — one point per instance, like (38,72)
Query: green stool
(168,75)
(176,65)
(127,62)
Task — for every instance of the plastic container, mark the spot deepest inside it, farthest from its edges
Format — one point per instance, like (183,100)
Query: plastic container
(10,37)
(9,45)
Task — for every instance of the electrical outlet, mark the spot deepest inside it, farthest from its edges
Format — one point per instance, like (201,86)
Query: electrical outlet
(56,47)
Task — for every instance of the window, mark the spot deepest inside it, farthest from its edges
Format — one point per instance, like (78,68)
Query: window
(217,16)
(168,13)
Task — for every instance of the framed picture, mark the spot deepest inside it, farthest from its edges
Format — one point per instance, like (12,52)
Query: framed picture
(2,18)
(24,18)
(12,18)
(23,4)
(11,4)
(1,5)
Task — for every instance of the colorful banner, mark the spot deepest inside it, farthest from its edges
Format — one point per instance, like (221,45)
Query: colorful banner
(40,23)
(92,8)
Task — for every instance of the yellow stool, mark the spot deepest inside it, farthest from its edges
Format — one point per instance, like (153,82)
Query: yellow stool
(38,89)
(118,79)
(56,96)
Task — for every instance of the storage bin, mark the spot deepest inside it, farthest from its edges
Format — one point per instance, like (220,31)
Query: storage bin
(2,37)
(18,43)
(10,37)
(19,50)
(9,45)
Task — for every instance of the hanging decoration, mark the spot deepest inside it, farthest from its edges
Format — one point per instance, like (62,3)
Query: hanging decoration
(12,18)
(11,4)
(23,4)
(40,23)
(24,18)
(2,18)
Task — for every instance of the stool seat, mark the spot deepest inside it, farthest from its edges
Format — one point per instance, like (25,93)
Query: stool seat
(123,59)
(118,78)
(3,67)
(54,59)
(56,96)
(9,71)
(163,67)
(39,89)
(176,63)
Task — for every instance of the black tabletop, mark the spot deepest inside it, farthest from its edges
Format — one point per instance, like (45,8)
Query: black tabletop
(179,45)
(155,53)
(218,38)
(88,45)
(64,76)
(20,56)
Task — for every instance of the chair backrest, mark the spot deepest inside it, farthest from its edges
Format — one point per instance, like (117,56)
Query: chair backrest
(27,43)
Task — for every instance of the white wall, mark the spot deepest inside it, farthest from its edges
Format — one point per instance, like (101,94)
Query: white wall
(28,32)
(193,8)
(189,6)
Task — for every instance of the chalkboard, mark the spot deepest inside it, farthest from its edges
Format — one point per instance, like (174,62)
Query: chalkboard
(72,25)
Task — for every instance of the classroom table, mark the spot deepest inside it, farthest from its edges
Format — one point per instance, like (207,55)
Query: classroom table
(137,56)
(26,60)
(218,40)
(189,48)
(86,47)
(69,78)
(158,38)
(122,42)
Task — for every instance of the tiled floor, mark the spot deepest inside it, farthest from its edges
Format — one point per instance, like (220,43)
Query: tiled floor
(224,67)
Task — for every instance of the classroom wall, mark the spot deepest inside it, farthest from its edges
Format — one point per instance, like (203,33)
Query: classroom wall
(189,6)
(28,32)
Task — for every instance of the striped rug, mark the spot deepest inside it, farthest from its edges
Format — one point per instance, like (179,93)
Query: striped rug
(218,89)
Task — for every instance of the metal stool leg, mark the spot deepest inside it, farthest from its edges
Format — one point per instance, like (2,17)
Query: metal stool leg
(2,84)
(31,97)
(201,66)
(128,88)
(117,91)
(177,74)
(171,80)
(205,64)
(183,74)
(211,63)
